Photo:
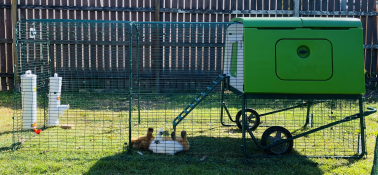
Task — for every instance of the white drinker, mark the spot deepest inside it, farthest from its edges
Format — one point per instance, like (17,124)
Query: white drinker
(56,110)
(29,99)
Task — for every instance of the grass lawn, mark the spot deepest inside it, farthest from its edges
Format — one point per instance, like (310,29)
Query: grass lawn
(96,145)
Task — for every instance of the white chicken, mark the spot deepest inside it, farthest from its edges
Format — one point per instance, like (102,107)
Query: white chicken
(164,147)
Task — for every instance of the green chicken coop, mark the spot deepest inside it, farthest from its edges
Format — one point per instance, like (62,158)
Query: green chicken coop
(295,56)
(310,66)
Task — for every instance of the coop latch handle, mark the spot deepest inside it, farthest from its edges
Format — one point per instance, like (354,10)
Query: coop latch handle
(302,51)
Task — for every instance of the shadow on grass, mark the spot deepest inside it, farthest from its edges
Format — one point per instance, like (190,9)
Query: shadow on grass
(6,132)
(208,155)
(6,148)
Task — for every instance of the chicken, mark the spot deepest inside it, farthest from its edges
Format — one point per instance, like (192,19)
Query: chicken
(183,140)
(158,145)
(143,142)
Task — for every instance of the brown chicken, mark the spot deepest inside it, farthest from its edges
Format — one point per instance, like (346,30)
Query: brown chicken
(183,140)
(143,142)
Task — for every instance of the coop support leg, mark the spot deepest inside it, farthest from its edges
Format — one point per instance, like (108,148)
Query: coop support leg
(362,128)
(244,146)
(308,115)
(223,106)
(228,114)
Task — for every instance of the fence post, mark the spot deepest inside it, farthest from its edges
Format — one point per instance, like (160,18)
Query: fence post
(14,23)
(296,8)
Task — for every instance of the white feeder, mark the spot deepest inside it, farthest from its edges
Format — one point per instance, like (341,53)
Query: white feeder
(29,99)
(55,109)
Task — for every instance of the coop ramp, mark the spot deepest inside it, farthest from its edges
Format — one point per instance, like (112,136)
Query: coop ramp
(198,100)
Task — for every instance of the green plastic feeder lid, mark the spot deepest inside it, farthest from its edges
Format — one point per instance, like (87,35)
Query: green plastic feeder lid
(292,22)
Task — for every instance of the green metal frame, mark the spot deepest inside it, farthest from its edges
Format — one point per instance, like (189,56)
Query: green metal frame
(310,101)
(359,115)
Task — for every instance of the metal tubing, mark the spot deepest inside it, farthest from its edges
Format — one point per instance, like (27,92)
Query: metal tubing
(309,103)
(362,126)
(284,109)
(244,128)
(130,86)
(228,113)
(138,79)
(223,104)
(346,119)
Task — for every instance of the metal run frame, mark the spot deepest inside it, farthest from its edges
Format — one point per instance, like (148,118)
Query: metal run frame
(312,99)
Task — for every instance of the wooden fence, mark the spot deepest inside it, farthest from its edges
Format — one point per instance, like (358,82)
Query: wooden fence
(179,10)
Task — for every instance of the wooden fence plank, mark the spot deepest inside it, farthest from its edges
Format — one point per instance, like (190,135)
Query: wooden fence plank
(331,6)
(350,6)
(363,21)
(259,6)
(311,5)
(113,49)
(166,38)
(174,39)
(254,6)
(280,6)
(337,5)
(324,5)
(305,6)
(317,5)
(273,6)
(109,29)
(180,38)
(266,6)
(92,36)
(232,7)
(212,51)
(9,35)
(369,38)
(374,51)
(72,32)
(219,51)
(206,39)
(79,35)
(3,58)
(286,6)
(246,6)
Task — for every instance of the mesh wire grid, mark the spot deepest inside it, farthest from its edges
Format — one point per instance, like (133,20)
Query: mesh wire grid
(119,77)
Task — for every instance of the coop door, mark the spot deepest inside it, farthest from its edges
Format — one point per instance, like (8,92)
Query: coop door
(233,60)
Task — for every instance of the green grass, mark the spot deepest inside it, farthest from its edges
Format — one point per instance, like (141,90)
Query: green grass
(95,146)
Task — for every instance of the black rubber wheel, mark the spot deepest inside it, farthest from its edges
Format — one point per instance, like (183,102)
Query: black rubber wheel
(276,134)
(253,119)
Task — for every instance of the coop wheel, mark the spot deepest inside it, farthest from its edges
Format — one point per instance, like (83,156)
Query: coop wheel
(276,134)
(253,119)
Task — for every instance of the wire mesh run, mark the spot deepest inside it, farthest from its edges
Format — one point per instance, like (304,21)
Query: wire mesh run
(299,116)
(122,78)
(92,59)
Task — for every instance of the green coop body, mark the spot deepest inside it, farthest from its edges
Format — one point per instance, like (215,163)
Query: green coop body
(295,56)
